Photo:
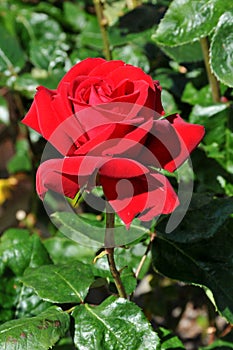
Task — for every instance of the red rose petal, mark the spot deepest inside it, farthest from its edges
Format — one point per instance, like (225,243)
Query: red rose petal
(41,116)
(162,200)
(106,67)
(122,168)
(190,135)
(129,72)
(82,68)
(66,175)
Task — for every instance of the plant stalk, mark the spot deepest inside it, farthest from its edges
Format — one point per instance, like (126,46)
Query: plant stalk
(214,84)
(103,28)
(109,239)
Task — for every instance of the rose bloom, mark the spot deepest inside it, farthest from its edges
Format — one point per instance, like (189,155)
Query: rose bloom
(106,120)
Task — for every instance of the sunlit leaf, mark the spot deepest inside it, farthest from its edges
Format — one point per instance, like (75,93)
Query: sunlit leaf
(186,21)
(37,333)
(221,51)
(60,283)
(117,322)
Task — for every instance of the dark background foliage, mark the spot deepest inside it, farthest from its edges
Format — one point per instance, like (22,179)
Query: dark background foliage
(186,284)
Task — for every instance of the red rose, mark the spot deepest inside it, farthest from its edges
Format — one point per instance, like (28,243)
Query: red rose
(105,120)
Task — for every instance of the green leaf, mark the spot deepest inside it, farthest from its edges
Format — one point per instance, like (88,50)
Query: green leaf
(168,102)
(168,340)
(221,49)
(207,262)
(92,234)
(37,333)
(60,283)
(75,15)
(11,54)
(19,250)
(28,303)
(115,324)
(186,21)
(62,250)
(129,257)
(4,112)
(132,54)
(193,96)
(219,345)
(211,216)
(218,141)
(21,160)
(187,53)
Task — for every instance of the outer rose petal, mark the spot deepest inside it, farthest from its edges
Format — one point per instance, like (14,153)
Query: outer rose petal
(149,196)
(66,175)
(163,200)
(154,99)
(171,142)
(190,135)
(41,116)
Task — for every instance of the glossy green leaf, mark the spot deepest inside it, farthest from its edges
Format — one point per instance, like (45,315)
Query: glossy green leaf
(92,234)
(190,52)
(60,283)
(12,57)
(62,250)
(19,250)
(132,54)
(75,15)
(218,140)
(186,21)
(129,257)
(211,214)
(221,50)
(168,340)
(194,96)
(115,324)
(47,55)
(168,103)
(28,303)
(37,333)
(207,262)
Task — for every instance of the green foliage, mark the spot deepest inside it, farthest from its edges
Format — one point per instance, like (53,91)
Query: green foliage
(40,267)
(221,49)
(193,258)
(117,324)
(40,332)
(187,21)
(60,283)
(92,233)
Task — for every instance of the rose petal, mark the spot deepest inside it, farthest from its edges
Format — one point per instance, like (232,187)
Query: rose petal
(41,116)
(162,200)
(66,175)
(190,135)
(147,196)
(81,68)
(106,67)
(154,99)
(130,72)
(122,168)
(162,145)
(130,143)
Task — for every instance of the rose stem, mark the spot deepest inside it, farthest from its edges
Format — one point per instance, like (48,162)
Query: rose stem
(103,28)
(212,80)
(110,254)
